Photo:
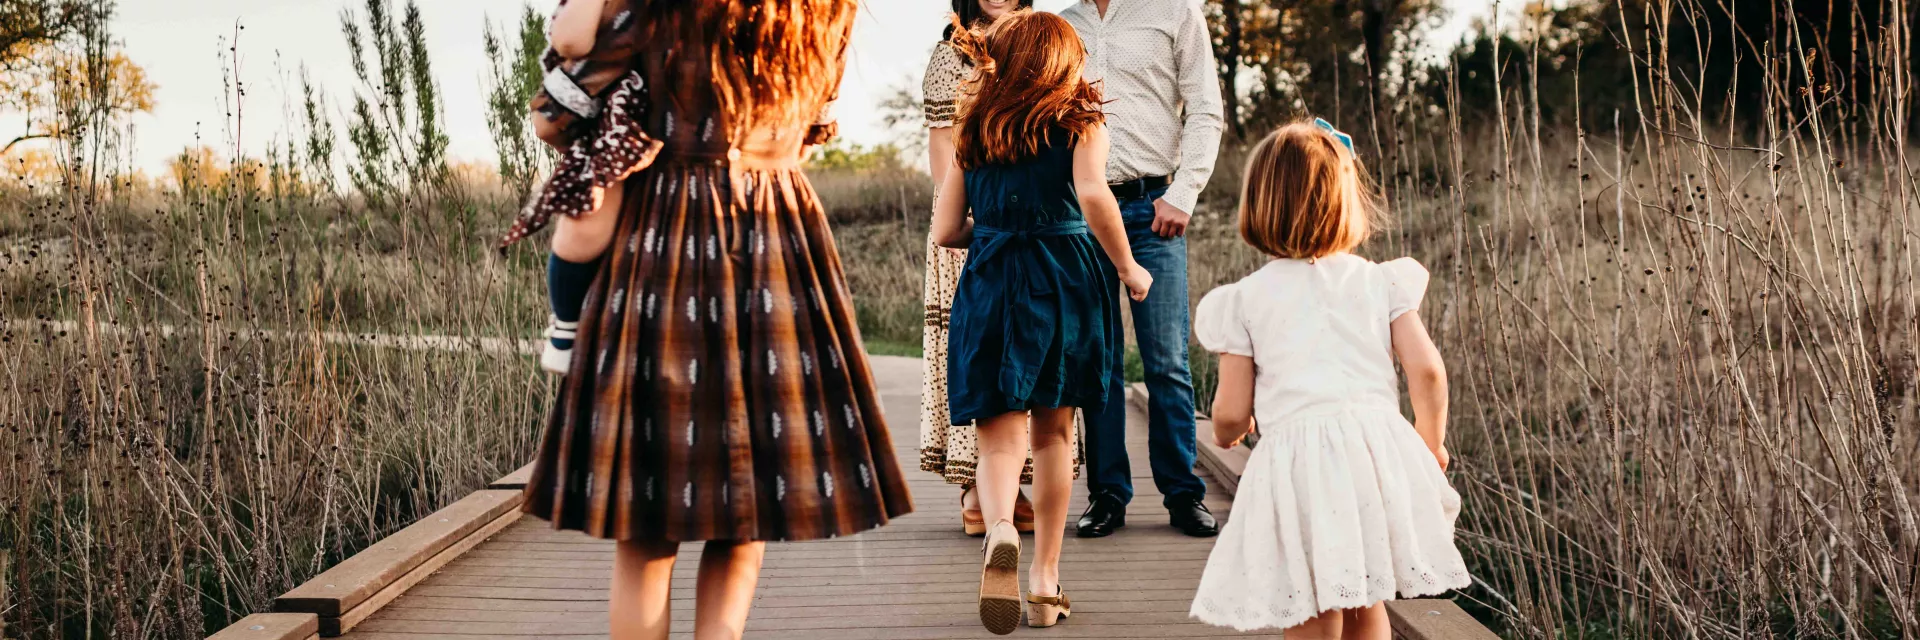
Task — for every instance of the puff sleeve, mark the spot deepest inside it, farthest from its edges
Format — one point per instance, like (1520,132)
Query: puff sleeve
(1219,324)
(826,125)
(573,91)
(1406,285)
(941,86)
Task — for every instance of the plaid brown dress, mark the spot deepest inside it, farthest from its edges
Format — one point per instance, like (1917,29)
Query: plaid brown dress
(718,389)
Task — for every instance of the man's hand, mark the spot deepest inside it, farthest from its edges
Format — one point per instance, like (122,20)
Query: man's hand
(1168,220)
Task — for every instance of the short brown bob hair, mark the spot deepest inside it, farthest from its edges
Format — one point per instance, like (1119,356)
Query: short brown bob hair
(1305,196)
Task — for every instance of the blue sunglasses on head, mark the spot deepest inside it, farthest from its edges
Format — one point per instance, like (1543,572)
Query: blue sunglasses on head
(1337,134)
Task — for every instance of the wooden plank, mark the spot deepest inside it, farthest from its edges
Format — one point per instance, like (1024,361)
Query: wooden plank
(431,608)
(912,554)
(516,480)
(331,627)
(573,608)
(854,587)
(473,637)
(271,626)
(1072,628)
(346,585)
(1434,620)
(461,571)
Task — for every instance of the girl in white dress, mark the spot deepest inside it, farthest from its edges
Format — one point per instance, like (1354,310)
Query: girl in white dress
(1344,504)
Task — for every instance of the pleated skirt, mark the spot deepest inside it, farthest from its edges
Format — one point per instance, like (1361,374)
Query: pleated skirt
(719,390)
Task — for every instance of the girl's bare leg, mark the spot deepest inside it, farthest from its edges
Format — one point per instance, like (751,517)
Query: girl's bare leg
(1326,626)
(642,580)
(728,572)
(1052,433)
(1370,623)
(1003,451)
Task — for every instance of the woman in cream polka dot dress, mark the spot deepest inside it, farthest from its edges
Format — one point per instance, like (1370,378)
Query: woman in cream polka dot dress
(945,449)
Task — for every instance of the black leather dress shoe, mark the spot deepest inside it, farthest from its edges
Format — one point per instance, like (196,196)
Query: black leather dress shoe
(1104,514)
(1192,518)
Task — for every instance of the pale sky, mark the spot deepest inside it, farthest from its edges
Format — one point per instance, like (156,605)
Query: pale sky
(180,43)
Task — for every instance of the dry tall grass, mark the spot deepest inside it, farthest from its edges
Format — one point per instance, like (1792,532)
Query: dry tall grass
(1683,354)
(188,440)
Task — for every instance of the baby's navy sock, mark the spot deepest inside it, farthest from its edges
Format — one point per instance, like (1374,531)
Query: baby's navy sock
(567,284)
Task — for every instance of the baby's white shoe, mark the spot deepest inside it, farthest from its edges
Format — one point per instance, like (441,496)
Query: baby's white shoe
(553,358)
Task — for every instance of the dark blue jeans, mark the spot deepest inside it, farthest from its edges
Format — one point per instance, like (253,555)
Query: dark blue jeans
(1161,326)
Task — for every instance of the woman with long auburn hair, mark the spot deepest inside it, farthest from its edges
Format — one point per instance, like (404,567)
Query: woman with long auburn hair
(718,391)
(1036,318)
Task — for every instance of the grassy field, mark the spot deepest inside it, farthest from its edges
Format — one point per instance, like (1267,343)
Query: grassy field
(1642,396)
(1682,349)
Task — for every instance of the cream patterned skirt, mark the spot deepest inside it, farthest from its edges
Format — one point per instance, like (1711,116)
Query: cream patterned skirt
(945,449)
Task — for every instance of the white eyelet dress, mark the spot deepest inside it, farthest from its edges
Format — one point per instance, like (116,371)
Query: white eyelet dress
(1341,505)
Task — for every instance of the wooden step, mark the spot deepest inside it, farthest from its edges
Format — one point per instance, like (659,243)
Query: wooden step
(272,626)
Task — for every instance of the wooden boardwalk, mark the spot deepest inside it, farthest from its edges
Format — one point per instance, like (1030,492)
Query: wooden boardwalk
(915,578)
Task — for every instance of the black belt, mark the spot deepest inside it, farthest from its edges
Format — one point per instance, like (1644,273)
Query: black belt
(1137,188)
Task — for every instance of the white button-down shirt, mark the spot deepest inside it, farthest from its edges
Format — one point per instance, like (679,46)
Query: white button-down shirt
(1153,60)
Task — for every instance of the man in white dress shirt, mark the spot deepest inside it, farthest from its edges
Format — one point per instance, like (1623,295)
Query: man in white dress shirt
(1153,62)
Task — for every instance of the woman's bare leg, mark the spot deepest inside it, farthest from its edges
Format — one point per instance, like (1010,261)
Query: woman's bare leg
(1003,452)
(1051,433)
(642,580)
(1370,623)
(729,570)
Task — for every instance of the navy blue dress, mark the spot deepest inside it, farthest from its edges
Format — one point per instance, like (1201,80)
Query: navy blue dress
(1036,316)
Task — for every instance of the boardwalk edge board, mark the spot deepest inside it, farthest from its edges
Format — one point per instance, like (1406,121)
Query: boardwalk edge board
(516,480)
(1429,619)
(334,627)
(344,595)
(1434,620)
(272,626)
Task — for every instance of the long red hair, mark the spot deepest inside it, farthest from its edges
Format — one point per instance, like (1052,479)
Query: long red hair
(773,61)
(1026,82)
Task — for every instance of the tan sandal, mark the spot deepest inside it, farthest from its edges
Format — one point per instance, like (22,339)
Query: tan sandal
(971,520)
(1046,611)
(1023,513)
(1000,579)
(974,523)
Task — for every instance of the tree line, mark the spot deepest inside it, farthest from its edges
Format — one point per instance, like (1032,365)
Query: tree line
(1369,62)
